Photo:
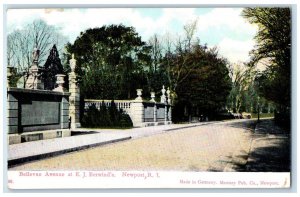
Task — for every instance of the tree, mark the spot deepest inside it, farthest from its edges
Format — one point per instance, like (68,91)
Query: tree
(190,29)
(156,74)
(178,60)
(38,34)
(206,87)
(242,80)
(51,68)
(156,52)
(171,59)
(198,78)
(111,59)
(274,44)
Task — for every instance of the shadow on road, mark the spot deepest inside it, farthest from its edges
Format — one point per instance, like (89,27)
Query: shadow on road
(248,125)
(271,156)
(274,157)
(270,150)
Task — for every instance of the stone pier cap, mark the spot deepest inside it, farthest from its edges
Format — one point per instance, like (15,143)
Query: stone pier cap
(37,91)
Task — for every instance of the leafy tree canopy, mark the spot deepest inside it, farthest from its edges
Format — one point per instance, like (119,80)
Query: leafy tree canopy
(208,84)
(51,68)
(274,44)
(111,60)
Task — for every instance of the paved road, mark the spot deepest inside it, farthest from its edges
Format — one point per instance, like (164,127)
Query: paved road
(83,139)
(270,149)
(222,146)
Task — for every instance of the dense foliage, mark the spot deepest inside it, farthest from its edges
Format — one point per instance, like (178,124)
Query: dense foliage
(274,45)
(111,60)
(106,117)
(205,89)
(114,62)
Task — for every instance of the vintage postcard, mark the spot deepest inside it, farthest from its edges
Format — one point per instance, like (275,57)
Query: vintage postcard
(148,97)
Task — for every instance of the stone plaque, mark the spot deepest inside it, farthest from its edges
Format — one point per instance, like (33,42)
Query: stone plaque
(32,137)
(149,114)
(40,113)
(160,113)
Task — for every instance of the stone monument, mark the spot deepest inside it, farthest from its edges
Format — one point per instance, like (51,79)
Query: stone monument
(33,80)
(163,96)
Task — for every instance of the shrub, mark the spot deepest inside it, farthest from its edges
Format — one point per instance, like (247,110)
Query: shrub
(90,118)
(125,121)
(106,117)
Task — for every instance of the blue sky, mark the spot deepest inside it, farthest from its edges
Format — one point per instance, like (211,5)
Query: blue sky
(221,27)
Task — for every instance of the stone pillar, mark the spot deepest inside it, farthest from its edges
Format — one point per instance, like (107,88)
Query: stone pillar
(169,96)
(12,119)
(64,117)
(170,105)
(155,113)
(12,113)
(74,100)
(137,110)
(166,112)
(154,108)
(170,113)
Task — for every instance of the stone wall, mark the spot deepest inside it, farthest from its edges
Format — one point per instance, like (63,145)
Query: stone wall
(30,112)
(142,113)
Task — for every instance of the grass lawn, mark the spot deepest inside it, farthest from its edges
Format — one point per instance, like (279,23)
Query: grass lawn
(262,115)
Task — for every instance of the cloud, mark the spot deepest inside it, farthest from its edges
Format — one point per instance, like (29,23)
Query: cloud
(17,17)
(73,21)
(236,50)
(235,33)
(229,17)
(223,26)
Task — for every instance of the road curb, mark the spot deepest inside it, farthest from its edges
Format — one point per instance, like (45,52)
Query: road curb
(15,162)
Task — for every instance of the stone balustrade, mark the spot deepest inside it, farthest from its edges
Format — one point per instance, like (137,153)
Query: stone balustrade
(142,113)
(120,104)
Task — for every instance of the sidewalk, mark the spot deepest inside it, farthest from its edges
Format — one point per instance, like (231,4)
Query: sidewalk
(85,138)
(270,149)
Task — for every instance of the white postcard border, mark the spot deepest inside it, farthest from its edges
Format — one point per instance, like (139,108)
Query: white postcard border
(145,179)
